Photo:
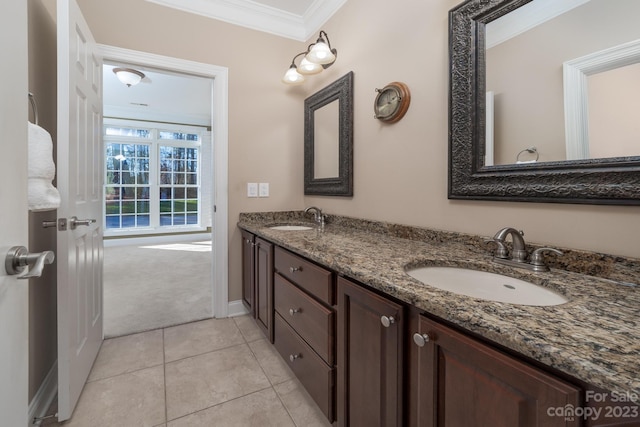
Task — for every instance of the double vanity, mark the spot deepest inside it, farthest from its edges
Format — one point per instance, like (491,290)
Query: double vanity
(386,324)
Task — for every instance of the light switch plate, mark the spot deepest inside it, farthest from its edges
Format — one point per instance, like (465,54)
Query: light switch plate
(252,189)
(263,189)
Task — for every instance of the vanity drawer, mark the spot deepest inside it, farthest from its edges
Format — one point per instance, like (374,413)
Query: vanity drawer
(309,368)
(311,320)
(313,279)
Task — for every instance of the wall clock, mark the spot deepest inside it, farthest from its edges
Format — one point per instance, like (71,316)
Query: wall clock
(392,102)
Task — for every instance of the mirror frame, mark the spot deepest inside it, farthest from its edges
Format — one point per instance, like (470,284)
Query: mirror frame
(342,185)
(612,181)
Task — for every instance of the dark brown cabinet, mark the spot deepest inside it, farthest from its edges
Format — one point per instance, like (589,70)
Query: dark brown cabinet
(305,325)
(257,280)
(263,261)
(458,381)
(248,271)
(370,358)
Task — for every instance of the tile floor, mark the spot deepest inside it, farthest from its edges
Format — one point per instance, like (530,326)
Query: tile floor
(216,372)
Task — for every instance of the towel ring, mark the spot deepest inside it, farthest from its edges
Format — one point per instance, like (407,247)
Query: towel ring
(34,107)
(530,150)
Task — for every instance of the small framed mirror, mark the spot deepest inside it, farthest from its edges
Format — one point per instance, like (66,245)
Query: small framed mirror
(328,140)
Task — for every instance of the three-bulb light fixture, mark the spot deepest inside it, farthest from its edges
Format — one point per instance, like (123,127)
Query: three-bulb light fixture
(317,57)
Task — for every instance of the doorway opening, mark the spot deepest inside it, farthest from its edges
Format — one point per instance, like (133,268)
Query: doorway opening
(165,207)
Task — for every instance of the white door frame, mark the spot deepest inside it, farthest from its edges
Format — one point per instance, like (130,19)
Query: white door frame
(220,132)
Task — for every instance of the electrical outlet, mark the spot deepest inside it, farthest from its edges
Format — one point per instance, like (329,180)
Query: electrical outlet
(252,189)
(263,189)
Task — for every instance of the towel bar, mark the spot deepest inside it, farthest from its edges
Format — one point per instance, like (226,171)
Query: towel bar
(34,107)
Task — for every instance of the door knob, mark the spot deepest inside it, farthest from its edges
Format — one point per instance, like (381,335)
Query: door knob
(19,257)
(74,222)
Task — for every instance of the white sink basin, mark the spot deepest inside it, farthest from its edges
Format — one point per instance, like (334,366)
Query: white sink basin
(487,286)
(291,227)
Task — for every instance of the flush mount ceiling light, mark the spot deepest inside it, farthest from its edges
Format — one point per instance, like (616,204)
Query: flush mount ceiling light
(317,57)
(129,76)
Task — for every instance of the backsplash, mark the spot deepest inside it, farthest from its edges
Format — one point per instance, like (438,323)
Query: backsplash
(617,268)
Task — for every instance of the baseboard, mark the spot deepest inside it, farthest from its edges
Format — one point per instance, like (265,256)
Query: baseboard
(41,402)
(156,240)
(237,308)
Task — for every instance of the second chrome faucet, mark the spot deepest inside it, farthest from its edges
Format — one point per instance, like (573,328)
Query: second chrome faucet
(519,256)
(318,216)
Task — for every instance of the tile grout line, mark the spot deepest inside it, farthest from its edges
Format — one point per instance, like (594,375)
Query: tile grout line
(270,382)
(126,372)
(219,404)
(286,408)
(164,380)
(245,343)
(206,352)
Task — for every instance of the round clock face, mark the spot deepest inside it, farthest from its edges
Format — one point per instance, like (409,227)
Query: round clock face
(391,102)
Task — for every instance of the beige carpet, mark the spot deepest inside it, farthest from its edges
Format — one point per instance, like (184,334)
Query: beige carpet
(150,287)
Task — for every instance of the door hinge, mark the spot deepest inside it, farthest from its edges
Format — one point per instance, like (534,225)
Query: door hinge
(215,209)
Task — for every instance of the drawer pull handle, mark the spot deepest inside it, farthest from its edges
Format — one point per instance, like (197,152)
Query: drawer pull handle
(387,321)
(293,311)
(293,357)
(294,269)
(421,339)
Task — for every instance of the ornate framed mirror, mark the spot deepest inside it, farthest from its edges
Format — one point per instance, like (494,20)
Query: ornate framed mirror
(491,124)
(328,140)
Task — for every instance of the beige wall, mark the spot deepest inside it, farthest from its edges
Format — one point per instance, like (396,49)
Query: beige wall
(43,348)
(613,112)
(400,169)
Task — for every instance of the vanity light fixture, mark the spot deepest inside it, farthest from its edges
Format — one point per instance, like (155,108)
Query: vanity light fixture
(318,56)
(129,76)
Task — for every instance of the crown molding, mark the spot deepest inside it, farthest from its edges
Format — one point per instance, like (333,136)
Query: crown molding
(250,14)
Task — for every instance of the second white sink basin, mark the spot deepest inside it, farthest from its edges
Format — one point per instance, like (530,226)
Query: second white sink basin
(291,227)
(485,285)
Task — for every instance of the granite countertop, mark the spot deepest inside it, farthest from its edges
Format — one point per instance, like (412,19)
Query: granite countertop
(595,337)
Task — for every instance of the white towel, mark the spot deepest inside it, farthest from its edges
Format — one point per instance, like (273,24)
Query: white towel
(42,195)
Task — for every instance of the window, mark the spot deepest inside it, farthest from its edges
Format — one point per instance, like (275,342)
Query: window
(152,177)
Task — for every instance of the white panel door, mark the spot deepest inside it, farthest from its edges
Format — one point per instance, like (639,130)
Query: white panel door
(14,355)
(80,248)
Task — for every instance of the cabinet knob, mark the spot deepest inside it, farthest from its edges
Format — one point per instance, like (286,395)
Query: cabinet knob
(294,269)
(293,311)
(421,339)
(293,357)
(387,321)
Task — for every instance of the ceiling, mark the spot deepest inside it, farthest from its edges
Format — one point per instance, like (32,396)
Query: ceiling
(294,19)
(161,96)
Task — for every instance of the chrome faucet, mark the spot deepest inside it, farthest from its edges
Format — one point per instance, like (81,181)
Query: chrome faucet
(317,215)
(519,251)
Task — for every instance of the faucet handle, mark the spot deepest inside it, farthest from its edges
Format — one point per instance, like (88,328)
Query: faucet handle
(537,258)
(501,250)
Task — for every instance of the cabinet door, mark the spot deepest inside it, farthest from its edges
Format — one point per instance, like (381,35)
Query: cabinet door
(369,358)
(248,272)
(463,382)
(264,286)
